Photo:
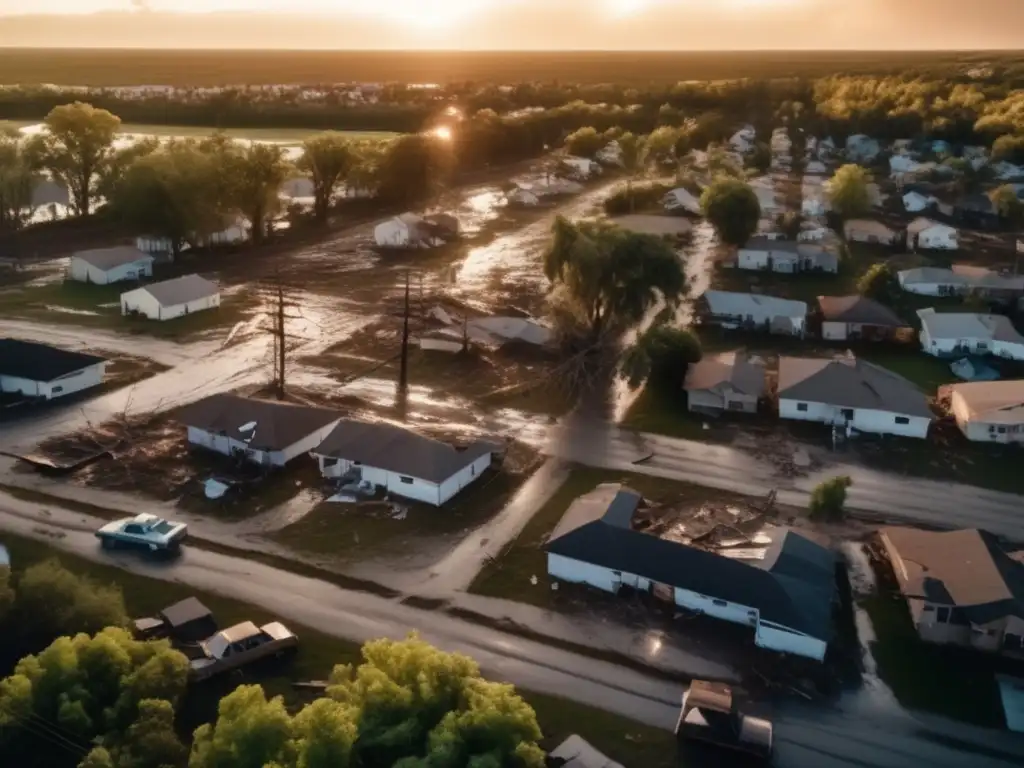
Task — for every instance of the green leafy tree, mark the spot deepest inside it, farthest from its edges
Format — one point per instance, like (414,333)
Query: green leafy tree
(660,146)
(828,499)
(849,191)
(632,150)
(760,157)
(98,757)
(18,176)
(77,148)
(250,730)
(328,158)
(611,276)
(1009,149)
(6,591)
(150,741)
(733,210)
(415,169)
(173,193)
(1008,205)
(257,172)
(660,356)
(91,690)
(878,283)
(118,164)
(585,142)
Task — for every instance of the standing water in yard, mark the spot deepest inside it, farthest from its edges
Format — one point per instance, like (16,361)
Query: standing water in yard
(699,261)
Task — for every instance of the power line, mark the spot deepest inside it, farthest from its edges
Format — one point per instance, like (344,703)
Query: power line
(40,732)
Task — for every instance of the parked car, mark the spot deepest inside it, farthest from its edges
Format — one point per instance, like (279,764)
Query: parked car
(239,645)
(709,714)
(187,621)
(146,531)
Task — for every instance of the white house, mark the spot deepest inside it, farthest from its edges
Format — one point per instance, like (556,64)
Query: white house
(729,381)
(610,154)
(915,202)
(924,233)
(989,411)
(962,333)
(787,256)
(869,231)
(743,140)
(816,235)
(103,266)
(862,149)
(520,197)
(406,231)
(754,311)
(171,298)
(932,281)
(264,432)
(155,245)
(681,199)
(857,317)
(855,394)
(580,168)
(401,461)
(784,592)
(44,372)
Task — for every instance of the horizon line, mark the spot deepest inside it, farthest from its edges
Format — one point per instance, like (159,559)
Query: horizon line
(649,51)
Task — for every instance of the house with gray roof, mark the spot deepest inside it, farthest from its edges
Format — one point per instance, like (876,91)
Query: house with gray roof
(961,587)
(753,311)
(786,256)
(171,298)
(857,317)
(956,334)
(102,266)
(785,592)
(401,461)
(729,381)
(847,392)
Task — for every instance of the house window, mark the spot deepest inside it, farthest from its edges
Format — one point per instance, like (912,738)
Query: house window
(406,480)
(992,428)
(902,420)
(720,603)
(56,390)
(942,615)
(1001,430)
(802,407)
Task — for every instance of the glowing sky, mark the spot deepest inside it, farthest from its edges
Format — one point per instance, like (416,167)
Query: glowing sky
(513,24)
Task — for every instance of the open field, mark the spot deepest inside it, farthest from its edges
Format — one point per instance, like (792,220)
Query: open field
(275,135)
(111,67)
(620,738)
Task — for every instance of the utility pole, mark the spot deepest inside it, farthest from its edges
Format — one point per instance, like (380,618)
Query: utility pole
(403,371)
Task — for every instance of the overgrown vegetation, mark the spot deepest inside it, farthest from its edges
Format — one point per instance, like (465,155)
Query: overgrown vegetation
(828,499)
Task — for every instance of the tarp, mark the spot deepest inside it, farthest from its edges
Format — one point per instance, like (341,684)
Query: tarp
(973,369)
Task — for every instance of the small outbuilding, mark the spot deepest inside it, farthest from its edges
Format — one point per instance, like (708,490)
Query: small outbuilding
(925,234)
(103,266)
(41,372)
(406,231)
(729,381)
(171,298)
(857,317)
(681,199)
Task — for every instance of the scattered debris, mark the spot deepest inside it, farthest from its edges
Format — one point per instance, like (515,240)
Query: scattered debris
(215,489)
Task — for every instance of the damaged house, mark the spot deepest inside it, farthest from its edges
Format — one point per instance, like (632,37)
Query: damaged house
(784,592)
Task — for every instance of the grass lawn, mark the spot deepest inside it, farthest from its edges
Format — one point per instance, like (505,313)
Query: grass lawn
(955,682)
(665,413)
(622,739)
(84,304)
(927,372)
(277,135)
(344,531)
(508,575)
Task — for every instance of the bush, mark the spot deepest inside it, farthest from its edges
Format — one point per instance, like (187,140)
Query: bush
(636,198)
(828,499)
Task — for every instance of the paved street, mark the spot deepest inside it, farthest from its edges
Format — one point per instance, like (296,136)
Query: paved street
(857,732)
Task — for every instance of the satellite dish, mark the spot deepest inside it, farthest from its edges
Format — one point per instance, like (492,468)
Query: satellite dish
(247,427)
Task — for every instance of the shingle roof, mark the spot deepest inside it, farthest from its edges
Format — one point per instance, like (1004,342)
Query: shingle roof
(385,446)
(181,290)
(920,224)
(867,225)
(993,402)
(782,589)
(734,368)
(849,383)
(733,304)
(108,258)
(39,362)
(939,275)
(967,569)
(968,325)
(982,277)
(277,425)
(858,309)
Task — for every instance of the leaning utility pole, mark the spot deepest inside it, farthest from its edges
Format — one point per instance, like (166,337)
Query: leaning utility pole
(403,371)
(279,337)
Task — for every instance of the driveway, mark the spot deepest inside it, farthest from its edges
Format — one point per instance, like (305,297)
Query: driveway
(807,737)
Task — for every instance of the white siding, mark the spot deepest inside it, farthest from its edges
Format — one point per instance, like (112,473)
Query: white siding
(751,259)
(833,330)
(392,233)
(140,301)
(441,345)
(790,642)
(308,443)
(227,445)
(68,384)
(720,609)
(949,346)
(464,477)
(180,310)
(418,489)
(864,419)
(578,572)
(83,271)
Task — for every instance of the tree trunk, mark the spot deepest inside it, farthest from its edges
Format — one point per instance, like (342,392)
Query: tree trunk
(256,220)
(320,206)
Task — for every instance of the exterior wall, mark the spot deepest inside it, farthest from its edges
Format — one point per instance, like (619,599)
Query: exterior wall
(228,445)
(578,572)
(833,330)
(983,432)
(392,234)
(864,420)
(82,271)
(938,239)
(776,638)
(930,289)
(468,474)
(69,384)
(719,609)
(140,301)
(308,443)
(730,400)
(747,258)
(179,310)
(952,346)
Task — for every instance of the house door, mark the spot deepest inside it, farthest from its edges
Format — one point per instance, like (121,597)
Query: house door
(846,414)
